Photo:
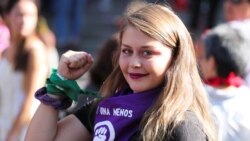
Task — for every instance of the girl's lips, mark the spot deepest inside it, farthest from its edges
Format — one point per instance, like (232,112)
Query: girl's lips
(137,75)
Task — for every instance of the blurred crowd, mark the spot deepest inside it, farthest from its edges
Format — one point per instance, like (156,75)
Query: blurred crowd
(34,32)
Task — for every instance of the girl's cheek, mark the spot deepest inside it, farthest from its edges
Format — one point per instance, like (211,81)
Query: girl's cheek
(120,62)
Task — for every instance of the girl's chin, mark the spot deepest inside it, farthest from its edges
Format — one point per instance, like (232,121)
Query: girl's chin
(137,90)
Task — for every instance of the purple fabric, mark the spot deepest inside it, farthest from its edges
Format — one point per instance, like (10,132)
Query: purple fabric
(118,117)
(58,104)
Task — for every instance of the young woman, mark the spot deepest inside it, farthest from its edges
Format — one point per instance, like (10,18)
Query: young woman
(23,70)
(153,93)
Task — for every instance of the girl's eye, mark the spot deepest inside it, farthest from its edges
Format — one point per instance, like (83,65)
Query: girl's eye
(146,53)
(126,51)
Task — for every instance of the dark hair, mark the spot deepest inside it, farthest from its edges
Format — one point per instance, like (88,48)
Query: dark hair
(9,5)
(229,49)
(1,10)
(22,55)
(103,66)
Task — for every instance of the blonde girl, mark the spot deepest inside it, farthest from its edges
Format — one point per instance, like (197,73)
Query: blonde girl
(154,92)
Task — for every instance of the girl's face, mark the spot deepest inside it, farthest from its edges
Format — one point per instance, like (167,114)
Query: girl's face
(143,60)
(23,18)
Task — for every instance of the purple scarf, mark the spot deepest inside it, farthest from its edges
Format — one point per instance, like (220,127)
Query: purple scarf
(118,117)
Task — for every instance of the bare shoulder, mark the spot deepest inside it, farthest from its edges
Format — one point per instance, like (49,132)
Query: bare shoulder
(37,53)
(36,47)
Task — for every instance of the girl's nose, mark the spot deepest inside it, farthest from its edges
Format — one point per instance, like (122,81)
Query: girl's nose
(135,62)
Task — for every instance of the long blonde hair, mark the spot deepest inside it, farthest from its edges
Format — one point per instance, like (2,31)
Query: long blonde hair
(183,89)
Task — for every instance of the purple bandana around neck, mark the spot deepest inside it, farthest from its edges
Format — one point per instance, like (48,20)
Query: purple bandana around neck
(118,117)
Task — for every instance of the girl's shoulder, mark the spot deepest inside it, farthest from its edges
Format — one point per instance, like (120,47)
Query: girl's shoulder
(35,44)
(37,54)
(35,47)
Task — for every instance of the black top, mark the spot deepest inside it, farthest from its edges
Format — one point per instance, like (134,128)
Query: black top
(188,130)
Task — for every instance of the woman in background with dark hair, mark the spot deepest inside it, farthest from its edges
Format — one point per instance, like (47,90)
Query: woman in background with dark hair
(23,69)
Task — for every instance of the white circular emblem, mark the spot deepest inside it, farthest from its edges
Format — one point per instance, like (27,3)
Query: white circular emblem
(104,131)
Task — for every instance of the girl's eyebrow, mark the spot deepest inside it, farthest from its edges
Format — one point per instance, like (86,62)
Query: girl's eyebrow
(125,45)
(145,46)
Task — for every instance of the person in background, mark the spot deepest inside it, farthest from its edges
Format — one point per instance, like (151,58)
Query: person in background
(146,97)
(237,14)
(23,69)
(224,57)
(103,65)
